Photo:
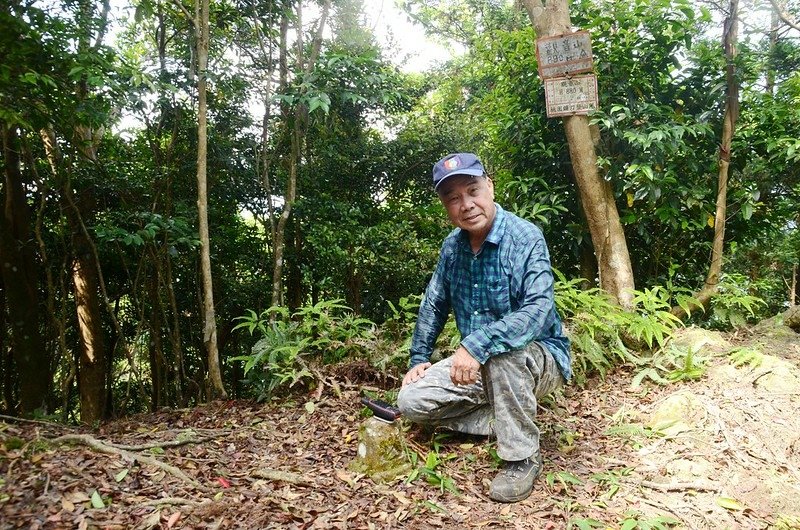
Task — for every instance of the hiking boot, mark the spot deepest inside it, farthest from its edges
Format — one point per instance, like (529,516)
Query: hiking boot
(515,481)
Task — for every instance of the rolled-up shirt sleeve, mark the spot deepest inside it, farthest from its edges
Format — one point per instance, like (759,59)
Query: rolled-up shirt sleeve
(527,322)
(433,313)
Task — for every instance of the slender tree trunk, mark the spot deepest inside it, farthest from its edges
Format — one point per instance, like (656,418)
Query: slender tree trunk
(770,62)
(793,287)
(215,387)
(5,358)
(297,136)
(20,278)
(551,17)
(729,36)
(175,337)
(295,295)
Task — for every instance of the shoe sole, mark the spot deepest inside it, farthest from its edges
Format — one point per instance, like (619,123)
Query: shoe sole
(512,499)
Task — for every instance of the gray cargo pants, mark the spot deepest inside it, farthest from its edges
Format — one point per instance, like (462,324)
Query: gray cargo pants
(502,402)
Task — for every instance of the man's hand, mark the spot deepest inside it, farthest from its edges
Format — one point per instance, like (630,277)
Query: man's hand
(465,368)
(416,373)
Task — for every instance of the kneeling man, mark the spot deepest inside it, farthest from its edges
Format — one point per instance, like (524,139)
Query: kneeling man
(494,272)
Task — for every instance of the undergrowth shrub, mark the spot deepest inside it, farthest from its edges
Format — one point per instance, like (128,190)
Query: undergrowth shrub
(289,345)
(734,305)
(603,334)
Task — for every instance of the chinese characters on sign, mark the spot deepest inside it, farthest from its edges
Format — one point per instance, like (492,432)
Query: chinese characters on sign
(568,96)
(561,55)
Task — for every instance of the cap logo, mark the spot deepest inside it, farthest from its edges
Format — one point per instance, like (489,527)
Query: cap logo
(451,163)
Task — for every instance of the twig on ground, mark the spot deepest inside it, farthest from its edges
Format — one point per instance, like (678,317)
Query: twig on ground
(699,485)
(37,422)
(102,447)
(173,501)
(277,475)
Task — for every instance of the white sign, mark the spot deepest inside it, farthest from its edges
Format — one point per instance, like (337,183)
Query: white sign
(567,96)
(561,55)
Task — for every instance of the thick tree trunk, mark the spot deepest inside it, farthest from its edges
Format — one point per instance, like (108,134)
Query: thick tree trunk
(20,278)
(93,362)
(728,127)
(215,387)
(611,250)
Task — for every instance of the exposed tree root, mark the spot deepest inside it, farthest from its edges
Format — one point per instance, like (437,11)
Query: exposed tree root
(102,447)
(171,443)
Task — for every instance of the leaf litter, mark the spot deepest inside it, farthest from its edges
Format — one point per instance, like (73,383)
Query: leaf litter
(285,465)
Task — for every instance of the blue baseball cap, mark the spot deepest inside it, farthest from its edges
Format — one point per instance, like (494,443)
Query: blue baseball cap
(456,164)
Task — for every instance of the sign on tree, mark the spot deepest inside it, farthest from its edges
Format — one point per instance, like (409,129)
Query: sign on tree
(566,54)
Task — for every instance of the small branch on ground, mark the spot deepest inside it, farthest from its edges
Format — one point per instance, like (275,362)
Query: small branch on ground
(679,486)
(174,501)
(277,475)
(102,447)
(37,422)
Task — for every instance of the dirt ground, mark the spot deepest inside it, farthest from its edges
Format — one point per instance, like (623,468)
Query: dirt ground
(722,451)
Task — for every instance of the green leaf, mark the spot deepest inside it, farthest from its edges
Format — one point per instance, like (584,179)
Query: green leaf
(119,477)
(747,211)
(97,501)
(730,504)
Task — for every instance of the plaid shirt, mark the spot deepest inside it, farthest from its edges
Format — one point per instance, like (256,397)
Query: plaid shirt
(502,296)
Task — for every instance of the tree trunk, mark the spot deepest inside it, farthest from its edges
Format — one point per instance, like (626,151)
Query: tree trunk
(92,362)
(296,137)
(20,278)
(158,366)
(215,387)
(296,296)
(793,287)
(770,62)
(5,359)
(597,198)
(728,127)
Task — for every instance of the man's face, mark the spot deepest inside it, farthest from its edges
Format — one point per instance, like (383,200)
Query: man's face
(469,202)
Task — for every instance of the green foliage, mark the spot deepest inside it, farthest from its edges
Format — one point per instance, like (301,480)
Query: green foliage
(632,433)
(430,470)
(670,365)
(733,305)
(565,479)
(746,356)
(289,344)
(599,328)
(611,479)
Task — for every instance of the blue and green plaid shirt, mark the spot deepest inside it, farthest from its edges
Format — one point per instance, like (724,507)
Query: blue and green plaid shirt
(502,296)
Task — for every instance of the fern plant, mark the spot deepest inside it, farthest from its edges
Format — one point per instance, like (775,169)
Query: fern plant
(599,328)
(325,332)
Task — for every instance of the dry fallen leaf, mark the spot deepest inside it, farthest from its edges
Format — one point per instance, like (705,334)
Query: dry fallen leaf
(67,505)
(173,519)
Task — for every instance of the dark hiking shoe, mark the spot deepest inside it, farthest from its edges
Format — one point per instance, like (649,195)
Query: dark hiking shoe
(515,481)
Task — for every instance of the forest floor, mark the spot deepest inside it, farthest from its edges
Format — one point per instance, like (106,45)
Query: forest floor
(722,451)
